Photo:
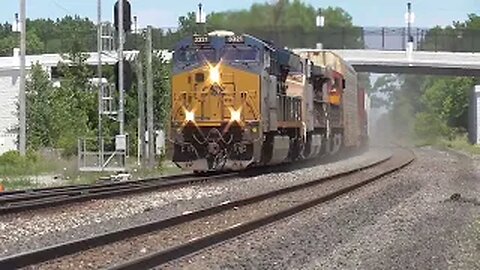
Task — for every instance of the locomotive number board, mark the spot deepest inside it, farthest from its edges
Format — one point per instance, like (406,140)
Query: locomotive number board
(234,39)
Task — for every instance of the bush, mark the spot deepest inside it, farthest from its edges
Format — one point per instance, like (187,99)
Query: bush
(461,143)
(429,128)
(17,184)
(11,158)
(13,164)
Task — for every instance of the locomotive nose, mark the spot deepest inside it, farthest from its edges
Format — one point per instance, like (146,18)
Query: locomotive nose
(213,148)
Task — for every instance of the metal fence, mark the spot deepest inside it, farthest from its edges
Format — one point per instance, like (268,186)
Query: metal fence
(374,38)
(392,38)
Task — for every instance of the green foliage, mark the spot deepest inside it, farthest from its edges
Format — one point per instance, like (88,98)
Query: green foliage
(460,143)
(13,164)
(18,184)
(383,91)
(431,109)
(49,36)
(282,14)
(461,36)
(161,96)
(40,94)
(286,23)
(58,116)
(448,99)
(424,108)
(429,128)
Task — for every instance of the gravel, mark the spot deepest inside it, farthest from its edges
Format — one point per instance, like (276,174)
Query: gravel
(27,231)
(426,216)
(138,246)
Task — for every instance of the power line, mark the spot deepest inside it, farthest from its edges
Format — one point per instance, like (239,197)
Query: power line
(62,7)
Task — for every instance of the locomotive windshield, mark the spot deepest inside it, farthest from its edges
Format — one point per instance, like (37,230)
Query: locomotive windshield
(240,54)
(193,56)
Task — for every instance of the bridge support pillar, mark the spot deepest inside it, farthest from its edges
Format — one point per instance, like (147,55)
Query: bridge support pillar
(474,116)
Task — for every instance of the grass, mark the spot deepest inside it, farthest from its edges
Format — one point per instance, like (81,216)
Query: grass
(18,183)
(25,168)
(14,165)
(17,172)
(459,143)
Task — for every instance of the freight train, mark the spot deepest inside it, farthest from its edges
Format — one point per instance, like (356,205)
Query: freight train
(239,101)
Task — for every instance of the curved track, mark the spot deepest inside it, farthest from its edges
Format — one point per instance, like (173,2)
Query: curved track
(349,180)
(33,199)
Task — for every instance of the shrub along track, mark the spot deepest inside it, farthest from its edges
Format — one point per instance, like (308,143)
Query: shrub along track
(192,231)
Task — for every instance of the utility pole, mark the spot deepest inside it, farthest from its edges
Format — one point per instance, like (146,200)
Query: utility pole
(135,31)
(151,149)
(201,20)
(409,22)
(141,114)
(100,82)
(409,19)
(320,23)
(121,118)
(23,75)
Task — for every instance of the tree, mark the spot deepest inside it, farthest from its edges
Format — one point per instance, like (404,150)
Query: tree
(384,90)
(428,107)
(459,37)
(58,116)
(161,96)
(49,36)
(448,98)
(39,98)
(286,23)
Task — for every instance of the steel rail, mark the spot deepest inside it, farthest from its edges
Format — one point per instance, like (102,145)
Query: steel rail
(76,246)
(29,192)
(164,256)
(32,199)
(59,197)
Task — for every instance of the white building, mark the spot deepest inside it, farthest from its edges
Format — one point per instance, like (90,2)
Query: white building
(9,87)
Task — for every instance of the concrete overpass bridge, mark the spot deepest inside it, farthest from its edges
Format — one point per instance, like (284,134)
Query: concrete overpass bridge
(420,62)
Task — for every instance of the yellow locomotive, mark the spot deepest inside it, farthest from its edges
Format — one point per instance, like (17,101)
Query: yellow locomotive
(238,101)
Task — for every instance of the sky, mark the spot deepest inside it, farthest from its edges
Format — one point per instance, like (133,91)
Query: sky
(164,13)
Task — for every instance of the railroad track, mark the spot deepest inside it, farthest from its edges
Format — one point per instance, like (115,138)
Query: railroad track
(19,201)
(33,199)
(188,233)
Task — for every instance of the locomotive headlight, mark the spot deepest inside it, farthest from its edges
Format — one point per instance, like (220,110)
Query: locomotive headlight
(235,115)
(215,74)
(189,116)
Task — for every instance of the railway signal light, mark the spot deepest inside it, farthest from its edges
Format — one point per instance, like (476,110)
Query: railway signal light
(127,16)
(127,75)
(320,19)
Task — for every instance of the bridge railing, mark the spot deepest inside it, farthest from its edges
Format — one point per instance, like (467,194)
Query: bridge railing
(351,37)
(375,38)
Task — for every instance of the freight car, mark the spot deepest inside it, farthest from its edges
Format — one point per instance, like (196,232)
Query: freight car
(238,101)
